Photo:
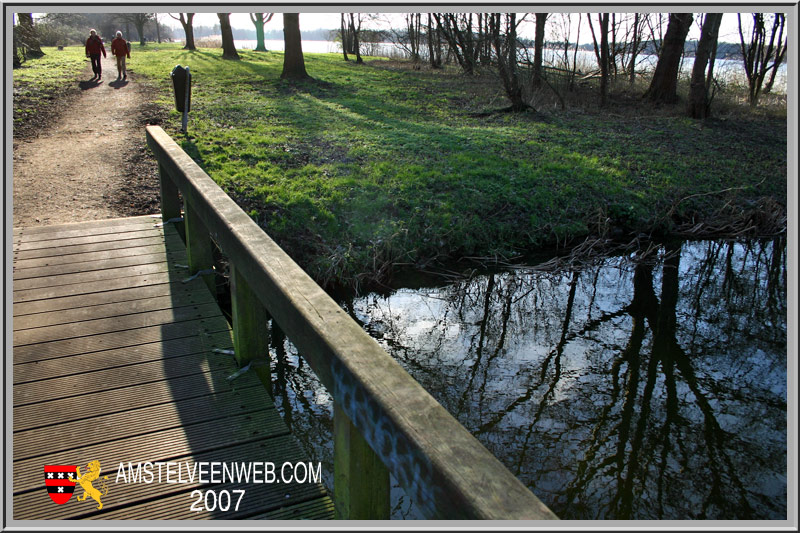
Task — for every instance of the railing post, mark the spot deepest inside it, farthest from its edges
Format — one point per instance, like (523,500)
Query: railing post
(198,245)
(170,201)
(361,481)
(250,335)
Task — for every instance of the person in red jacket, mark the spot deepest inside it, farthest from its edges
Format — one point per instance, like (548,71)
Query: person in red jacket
(94,47)
(120,50)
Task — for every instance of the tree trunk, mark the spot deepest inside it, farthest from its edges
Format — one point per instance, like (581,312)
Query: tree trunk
(228,47)
(434,44)
(780,53)
(158,30)
(506,52)
(188,29)
(29,38)
(637,37)
(294,67)
(345,37)
(538,45)
(604,59)
(259,20)
(698,94)
(140,29)
(354,32)
(664,85)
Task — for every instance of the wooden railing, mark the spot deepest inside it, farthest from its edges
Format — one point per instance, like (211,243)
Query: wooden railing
(384,421)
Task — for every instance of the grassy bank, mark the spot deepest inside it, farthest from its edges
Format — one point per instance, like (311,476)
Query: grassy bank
(42,85)
(375,166)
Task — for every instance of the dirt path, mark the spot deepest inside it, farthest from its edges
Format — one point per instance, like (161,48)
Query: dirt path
(91,163)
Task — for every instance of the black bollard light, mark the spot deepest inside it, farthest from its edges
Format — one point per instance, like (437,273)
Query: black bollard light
(182,84)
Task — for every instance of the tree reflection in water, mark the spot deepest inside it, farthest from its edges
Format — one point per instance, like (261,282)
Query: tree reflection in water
(627,389)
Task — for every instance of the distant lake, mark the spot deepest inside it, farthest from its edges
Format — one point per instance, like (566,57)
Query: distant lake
(725,69)
(312,47)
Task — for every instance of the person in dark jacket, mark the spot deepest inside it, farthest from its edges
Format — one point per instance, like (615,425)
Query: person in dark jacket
(120,50)
(94,47)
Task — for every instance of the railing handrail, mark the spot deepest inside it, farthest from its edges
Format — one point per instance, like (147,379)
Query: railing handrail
(443,468)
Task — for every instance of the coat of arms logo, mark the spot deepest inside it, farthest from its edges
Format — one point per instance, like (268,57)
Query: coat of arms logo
(56,478)
(61,483)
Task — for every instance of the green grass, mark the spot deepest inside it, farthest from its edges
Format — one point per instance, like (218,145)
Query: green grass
(41,83)
(371,165)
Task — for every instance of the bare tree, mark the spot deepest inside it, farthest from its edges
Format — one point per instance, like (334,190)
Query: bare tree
(158,29)
(434,44)
(27,37)
(355,29)
(345,35)
(699,101)
(655,23)
(601,51)
(294,67)
(505,48)
(259,20)
(664,85)
(228,46)
(413,26)
(350,34)
(188,29)
(760,56)
(780,54)
(637,44)
(459,32)
(538,45)
(139,20)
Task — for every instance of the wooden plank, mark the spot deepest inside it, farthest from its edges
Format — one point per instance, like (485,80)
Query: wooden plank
(105,428)
(34,392)
(156,446)
(316,509)
(174,247)
(95,287)
(136,501)
(172,257)
(73,330)
(428,451)
(118,339)
(117,309)
(137,396)
(112,296)
(77,250)
(109,222)
(97,228)
(89,239)
(99,275)
(121,357)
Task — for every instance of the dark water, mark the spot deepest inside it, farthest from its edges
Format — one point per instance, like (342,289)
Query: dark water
(624,389)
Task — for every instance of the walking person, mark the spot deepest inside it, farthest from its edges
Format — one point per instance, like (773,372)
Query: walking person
(94,47)
(120,50)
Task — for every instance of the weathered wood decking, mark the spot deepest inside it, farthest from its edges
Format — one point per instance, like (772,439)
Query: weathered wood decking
(114,361)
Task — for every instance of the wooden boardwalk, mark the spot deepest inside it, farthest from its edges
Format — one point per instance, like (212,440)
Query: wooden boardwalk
(115,361)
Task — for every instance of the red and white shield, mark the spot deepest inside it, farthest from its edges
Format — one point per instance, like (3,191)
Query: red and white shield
(59,487)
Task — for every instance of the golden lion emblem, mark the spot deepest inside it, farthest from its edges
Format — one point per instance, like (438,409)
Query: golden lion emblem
(86,480)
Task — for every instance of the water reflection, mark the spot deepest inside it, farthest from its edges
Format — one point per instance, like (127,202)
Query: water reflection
(626,389)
